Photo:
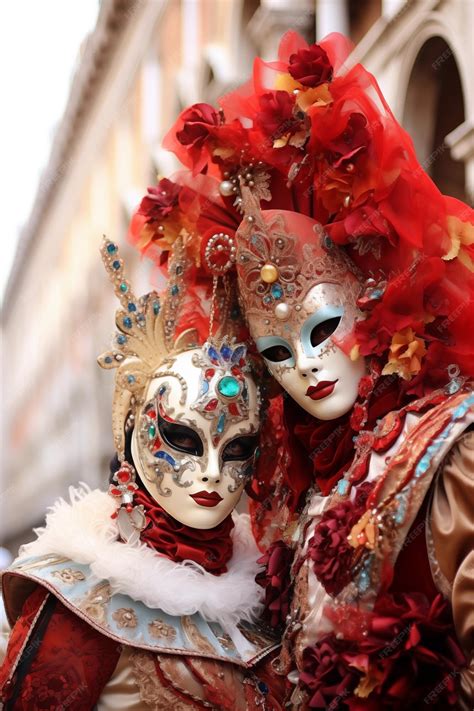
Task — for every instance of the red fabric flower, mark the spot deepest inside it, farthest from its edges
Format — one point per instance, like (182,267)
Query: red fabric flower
(311,67)
(329,549)
(350,142)
(198,120)
(160,200)
(276,117)
(276,581)
(404,655)
(326,676)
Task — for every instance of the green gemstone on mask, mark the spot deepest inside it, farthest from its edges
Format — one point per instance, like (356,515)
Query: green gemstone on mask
(228,386)
(151,431)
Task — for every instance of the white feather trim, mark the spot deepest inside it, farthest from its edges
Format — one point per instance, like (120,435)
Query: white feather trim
(83,531)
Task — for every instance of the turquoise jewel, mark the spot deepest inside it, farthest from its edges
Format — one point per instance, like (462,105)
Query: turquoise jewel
(228,386)
(174,290)
(151,431)
(123,287)
(220,424)
(342,487)
(156,308)
(131,379)
(267,299)
(276,291)
(121,339)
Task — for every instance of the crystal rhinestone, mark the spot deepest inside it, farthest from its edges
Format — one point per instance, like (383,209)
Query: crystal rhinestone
(267,299)
(123,287)
(131,307)
(127,322)
(277,291)
(116,264)
(228,386)
(111,248)
(269,273)
(282,311)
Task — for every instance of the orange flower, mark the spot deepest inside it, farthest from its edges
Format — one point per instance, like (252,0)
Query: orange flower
(406,354)
(461,235)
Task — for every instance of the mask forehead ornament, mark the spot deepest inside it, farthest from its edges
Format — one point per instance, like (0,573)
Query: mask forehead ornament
(281,255)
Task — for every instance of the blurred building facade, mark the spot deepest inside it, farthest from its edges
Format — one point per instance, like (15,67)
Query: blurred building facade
(144,62)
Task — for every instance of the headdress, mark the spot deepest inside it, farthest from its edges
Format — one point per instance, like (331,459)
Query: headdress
(308,134)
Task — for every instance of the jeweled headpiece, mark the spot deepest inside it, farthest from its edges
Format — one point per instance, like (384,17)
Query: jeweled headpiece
(149,336)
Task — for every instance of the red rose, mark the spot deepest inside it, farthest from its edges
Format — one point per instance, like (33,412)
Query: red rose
(275,117)
(160,200)
(311,67)
(326,676)
(405,654)
(199,122)
(329,548)
(347,145)
(276,581)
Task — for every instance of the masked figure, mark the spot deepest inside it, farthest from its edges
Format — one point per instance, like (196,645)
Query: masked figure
(145,596)
(356,279)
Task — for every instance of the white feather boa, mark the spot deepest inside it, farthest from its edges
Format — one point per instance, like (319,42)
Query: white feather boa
(83,531)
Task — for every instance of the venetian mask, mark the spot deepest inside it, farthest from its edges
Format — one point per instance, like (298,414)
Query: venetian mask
(195,437)
(299,294)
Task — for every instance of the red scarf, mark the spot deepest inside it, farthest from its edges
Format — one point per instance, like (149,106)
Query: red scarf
(330,444)
(210,548)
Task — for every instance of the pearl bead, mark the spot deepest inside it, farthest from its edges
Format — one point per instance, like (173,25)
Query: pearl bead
(226,188)
(282,311)
(269,273)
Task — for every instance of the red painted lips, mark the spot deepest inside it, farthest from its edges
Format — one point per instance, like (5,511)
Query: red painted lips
(322,389)
(207,498)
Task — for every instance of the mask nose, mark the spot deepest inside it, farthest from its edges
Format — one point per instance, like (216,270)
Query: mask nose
(212,472)
(304,365)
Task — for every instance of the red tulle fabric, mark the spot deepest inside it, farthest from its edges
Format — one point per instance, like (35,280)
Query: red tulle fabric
(211,548)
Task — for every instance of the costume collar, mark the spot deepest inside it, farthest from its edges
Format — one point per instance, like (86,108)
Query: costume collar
(82,530)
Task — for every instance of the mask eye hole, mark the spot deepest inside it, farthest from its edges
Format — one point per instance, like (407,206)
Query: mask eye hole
(277,354)
(180,437)
(240,448)
(323,330)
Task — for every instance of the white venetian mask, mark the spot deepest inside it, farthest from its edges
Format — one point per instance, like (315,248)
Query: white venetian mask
(303,356)
(195,438)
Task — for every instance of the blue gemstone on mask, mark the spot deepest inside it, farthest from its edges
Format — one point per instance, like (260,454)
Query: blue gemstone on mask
(156,308)
(238,354)
(132,307)
(121,339)
(204,387)
(276,291)
(226,352)
(220,424)
(213,355)
(131,379)
(174,290)
(116,264)
(108,359)
(127,322)
(111,248)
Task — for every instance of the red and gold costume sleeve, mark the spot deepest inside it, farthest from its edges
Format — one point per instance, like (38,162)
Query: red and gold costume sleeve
(54,659)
